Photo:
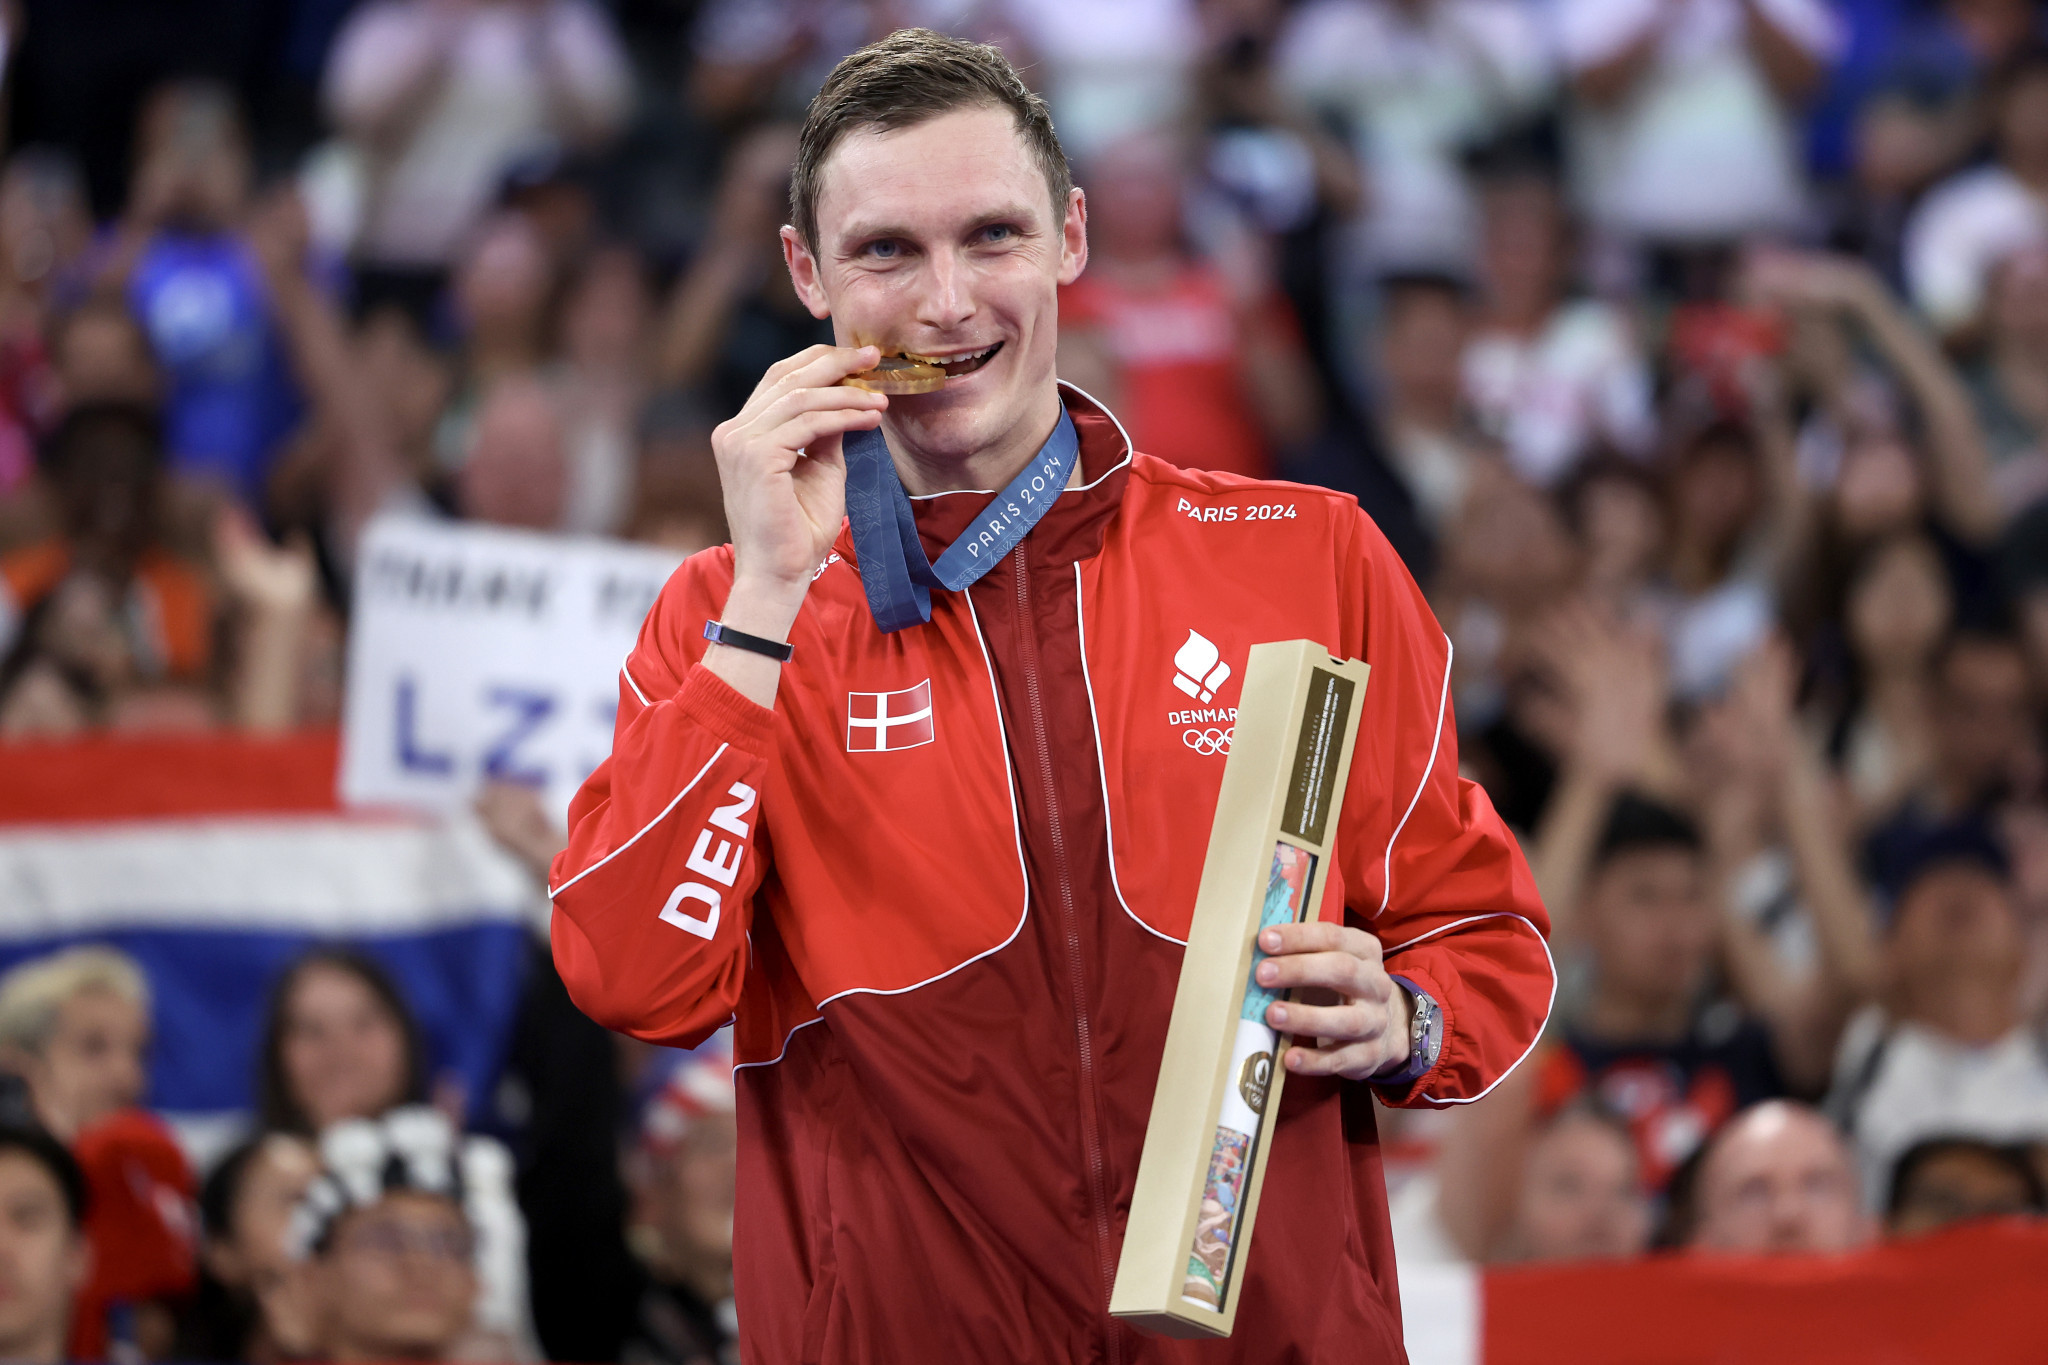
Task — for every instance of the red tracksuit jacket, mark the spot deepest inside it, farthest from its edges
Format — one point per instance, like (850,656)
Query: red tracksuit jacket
(941,889)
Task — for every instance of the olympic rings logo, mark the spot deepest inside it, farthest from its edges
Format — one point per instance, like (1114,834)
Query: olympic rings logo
(1208,741)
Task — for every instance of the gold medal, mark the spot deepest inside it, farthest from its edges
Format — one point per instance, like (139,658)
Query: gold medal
(897,375)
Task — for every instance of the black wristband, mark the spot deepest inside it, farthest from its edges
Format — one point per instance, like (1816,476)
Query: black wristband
(721,634)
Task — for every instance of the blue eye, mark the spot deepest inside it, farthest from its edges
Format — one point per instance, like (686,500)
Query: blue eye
(886,249)
(998,232)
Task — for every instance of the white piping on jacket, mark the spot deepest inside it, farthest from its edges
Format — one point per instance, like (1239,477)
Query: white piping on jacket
(627,674)
(1023,873)
(1387,868)
(1071,487)
(555,891)
(1102,768)
(1548,1005)
(815,1019)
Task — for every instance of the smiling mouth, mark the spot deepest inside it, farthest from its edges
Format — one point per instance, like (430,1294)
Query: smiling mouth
(954,368)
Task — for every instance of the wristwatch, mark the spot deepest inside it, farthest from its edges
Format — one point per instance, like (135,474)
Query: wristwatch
(1425,1036)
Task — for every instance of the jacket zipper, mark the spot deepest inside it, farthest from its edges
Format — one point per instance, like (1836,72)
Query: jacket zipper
(1070,924)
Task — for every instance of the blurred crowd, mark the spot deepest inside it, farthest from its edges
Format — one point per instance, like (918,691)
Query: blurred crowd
(1692,353)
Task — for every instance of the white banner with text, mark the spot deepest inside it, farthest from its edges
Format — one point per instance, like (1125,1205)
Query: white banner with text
(479,653)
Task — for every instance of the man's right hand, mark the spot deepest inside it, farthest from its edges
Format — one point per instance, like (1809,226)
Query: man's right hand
(784,475)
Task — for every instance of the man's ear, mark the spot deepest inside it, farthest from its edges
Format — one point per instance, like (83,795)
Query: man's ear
(803,273)
(1073,237)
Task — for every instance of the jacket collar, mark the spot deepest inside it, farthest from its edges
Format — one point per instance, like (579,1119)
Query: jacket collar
(1074,526)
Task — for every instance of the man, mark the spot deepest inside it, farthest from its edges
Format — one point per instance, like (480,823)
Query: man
(1207,364)
(43,1256)
(388,1253)
(75,1025)
(1778,1178)
(1684,118)
(1641,1041)
(1950,1052)
(1954,1179)
(940,874)
(682,1178)
(1987,750)
(245,1215)
(1582,1195)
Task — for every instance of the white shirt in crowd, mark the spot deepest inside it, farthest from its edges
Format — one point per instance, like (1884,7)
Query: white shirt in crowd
(1900,1083)
(507,73)
(1111,67)
(1958,236)
(1548,398)
(1417,84)
(1700,149)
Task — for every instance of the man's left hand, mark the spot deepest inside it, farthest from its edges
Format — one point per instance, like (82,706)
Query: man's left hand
(1353,1010)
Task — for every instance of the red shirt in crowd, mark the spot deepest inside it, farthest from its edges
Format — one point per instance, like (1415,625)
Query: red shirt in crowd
(168,613)
(1179,353)
(139,1222)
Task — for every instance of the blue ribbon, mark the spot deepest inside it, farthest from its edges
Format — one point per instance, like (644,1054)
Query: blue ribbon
(894,572)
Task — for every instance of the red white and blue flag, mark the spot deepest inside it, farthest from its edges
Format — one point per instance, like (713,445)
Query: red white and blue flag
(215,861)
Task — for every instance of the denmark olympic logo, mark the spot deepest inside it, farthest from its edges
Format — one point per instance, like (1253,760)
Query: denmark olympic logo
(1208,741)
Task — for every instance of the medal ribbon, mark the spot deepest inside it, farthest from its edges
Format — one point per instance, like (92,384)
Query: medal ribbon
(894,572)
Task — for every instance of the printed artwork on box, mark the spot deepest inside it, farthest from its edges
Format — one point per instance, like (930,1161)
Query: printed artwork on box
(1287,884)
(1244,1102)
(1210,1262)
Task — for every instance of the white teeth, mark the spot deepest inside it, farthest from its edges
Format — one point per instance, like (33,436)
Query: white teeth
(951,360)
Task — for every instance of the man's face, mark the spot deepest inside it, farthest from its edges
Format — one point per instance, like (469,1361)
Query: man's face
(1583,1196)
(397,1281)
(691,1198)
(254,1253)
(42,1259)
(1982,727)
(1955,927)
(1956,1185)
(1421,343)
(95,1062)
(1652,926)
(1779,1180)
(939,240)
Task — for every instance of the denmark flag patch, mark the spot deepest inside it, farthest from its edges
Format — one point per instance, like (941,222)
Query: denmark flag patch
(877,721)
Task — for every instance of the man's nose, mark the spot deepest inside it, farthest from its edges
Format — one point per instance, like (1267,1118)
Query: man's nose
(1789,1229)
(947,298)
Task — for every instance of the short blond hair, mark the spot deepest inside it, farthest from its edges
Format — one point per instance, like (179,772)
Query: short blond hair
(33,993)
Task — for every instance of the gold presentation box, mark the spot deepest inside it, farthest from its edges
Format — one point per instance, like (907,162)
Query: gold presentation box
(1190,1228)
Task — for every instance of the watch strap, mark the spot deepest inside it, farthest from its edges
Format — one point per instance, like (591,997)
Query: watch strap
(1425,1036)
(720,633)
